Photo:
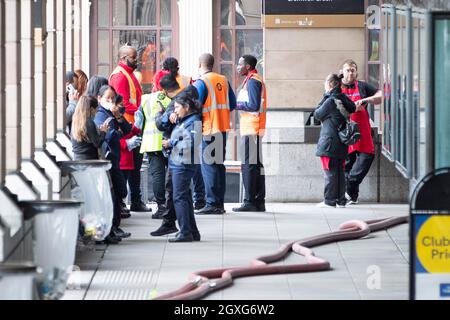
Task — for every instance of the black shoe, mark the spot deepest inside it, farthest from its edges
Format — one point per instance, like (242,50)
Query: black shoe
(140,207)
(159,214)
(123,207)
(124,215)
(199,205)
(180,238)
(195,235)
(210,210)
(164,229)
(110,239)
(119,233)
(261,207)
(246,207)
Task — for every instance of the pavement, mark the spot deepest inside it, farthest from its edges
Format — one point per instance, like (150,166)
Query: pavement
(143,267)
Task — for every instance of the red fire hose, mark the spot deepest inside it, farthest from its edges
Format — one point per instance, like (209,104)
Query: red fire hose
(205,282)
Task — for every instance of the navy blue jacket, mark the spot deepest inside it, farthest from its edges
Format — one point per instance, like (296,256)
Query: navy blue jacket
(329,144)
(111,146)
(185,142)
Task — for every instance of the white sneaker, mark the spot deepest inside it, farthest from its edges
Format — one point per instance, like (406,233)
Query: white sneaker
(350,200)
(324,205)
(340,205)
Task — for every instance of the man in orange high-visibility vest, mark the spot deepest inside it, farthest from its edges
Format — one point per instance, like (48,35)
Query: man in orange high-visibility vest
(252,106)
(125,83)
(218,100)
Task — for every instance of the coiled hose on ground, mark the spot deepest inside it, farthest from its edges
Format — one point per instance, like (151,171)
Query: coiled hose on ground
(205,282)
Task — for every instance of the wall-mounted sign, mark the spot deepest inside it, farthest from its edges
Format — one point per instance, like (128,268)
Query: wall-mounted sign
(294,7)
(314,13)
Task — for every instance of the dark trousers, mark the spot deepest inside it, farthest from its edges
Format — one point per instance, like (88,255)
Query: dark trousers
(357,165)
(253,170)
(335,183)
(119,191)
(199,185)
(170,216)
(134,180)
(158,164)
(213,169)
(182,199)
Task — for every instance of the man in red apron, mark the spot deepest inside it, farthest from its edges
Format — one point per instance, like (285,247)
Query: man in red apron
(361,154)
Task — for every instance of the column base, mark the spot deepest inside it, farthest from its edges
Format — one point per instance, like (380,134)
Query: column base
(38,177)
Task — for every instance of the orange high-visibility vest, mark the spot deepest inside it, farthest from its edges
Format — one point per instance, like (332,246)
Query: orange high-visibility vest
(183,81)
(133,92)
(216,110)
(253,123)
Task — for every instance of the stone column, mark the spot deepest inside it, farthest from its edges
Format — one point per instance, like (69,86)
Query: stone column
(40,83)
(77,34)
(60,65)
(69,35)
(85,38)
(12,88)
(196,20)
(2,93)
(51,67)
(27,84)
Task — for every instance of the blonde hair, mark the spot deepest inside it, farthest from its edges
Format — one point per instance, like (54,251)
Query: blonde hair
(81,116)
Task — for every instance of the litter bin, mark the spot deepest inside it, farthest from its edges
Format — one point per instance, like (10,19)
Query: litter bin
(17,281)
(55,230)
(91,185)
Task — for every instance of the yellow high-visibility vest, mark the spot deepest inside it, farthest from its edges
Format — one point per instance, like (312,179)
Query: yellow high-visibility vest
(151,105)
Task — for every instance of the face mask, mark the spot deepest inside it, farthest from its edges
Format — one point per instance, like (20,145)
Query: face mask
(132,65)
(107,105)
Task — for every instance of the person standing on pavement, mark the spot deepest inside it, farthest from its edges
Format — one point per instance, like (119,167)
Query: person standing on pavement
(361,154)
(171,65)
(218,100)
(152,139)
(252,106)
(86,139)
(125,83)
(109,114)
(185,139)
(332,112)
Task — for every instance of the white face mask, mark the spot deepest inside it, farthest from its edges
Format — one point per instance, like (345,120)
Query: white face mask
(107,105)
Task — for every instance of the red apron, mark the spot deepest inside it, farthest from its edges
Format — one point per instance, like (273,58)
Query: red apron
(365,143)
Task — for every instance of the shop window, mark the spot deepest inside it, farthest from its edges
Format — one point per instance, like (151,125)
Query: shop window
(441,91)
(419,93)
(147,25)
(386,113)
(238,31)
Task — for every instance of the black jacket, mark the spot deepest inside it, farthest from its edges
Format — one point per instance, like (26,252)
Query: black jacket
(88,150)
(332,120)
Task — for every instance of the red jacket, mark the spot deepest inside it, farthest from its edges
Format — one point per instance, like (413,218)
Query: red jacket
(126,156)
(120,83)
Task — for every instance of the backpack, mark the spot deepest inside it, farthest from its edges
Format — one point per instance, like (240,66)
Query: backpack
(348,133)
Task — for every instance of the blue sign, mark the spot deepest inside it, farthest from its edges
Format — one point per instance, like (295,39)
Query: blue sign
(445,290)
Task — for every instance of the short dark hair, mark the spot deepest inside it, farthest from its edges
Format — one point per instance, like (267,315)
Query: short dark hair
(250,60)
(335,80)
(207,60)
(94,85)
(103,90)
(171,64)
(186,99)
(70,75)
(118,100)
(169,83)
(350,62)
